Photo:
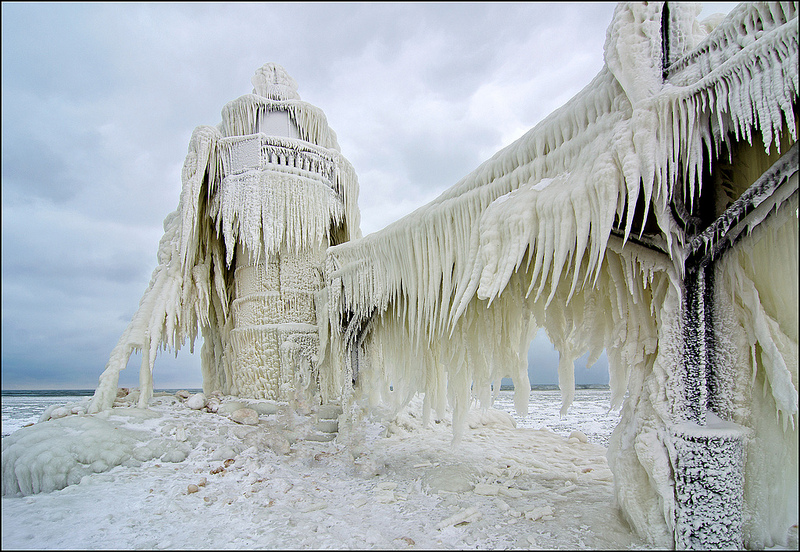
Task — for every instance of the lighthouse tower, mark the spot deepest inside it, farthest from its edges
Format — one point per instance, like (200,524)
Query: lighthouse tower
(242,259)
(275,169)
(283,194)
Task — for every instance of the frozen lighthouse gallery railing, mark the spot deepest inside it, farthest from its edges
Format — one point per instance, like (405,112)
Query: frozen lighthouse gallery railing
(605,225)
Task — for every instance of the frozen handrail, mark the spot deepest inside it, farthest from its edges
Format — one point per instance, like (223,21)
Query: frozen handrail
(766,193)
(745,24)
(259,151)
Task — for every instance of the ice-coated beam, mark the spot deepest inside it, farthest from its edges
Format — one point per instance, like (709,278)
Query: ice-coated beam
(762,197)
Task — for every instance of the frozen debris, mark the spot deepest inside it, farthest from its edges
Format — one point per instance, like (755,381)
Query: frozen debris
(404,541)
(578,437)
(486,489)
(449,479)
(466,515)
(229,407)
(246,416)
(385,492)
(224,452)
(510,492)
(314,506)
(490,417)
(502,505)
(327,426)
(385,496)
(329,411)
(544,513)
(174,455)
(196,401)
(264,407)
(277,442)
(59,411)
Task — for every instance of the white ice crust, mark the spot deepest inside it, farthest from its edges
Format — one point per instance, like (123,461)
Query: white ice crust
(445,301)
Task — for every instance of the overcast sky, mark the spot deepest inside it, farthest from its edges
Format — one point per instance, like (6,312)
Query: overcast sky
(99,102)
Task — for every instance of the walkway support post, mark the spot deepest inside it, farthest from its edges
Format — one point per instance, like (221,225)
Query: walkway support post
(708,453)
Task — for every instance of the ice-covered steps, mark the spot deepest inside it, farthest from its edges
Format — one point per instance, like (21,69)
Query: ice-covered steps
(326,426)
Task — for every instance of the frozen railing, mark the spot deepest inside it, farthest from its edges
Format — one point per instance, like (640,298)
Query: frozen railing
(239,154)
(747,23)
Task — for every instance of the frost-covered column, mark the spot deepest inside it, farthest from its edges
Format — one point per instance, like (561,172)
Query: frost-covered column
(698,343)
(275,320)
(277,204)
(709,484)
(707,453)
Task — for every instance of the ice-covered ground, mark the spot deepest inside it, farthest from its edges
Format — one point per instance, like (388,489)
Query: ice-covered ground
(589,413)
(378,485)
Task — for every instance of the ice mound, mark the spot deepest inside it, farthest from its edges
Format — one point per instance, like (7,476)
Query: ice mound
(490,417)
(68,444)
(449,478)
(59,452)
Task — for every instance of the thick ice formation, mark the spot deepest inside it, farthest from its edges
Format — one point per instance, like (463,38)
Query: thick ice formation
(48,457)
(582,228)
(587,227)
(242,258)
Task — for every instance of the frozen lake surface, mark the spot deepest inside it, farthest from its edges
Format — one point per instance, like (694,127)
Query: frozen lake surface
(25,407)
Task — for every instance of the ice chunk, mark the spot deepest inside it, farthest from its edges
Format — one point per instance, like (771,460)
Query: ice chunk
(539,512)
(196,401)
(486,489)
(466,515)
(246,416)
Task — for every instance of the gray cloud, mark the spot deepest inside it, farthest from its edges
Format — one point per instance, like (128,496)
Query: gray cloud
(44,175)
(50,50)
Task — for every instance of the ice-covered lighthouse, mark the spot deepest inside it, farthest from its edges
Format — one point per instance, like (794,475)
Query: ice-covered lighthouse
(265,193)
